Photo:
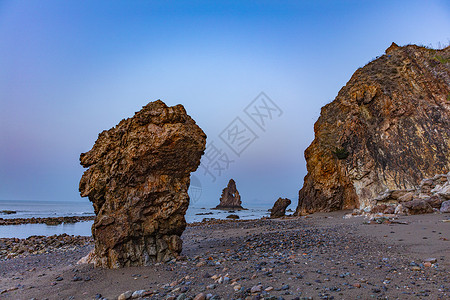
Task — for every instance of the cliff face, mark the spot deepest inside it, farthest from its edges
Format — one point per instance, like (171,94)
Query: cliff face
(388,128)
(137,179)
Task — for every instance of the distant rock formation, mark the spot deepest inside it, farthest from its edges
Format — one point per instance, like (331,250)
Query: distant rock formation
(230,199)
(386,130)
(430,196)
(279,208)
(137,180)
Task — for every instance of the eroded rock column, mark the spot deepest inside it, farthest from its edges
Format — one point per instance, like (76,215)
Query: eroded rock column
(137,179)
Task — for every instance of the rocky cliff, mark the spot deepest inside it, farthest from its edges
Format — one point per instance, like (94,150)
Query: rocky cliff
(230,198)
(137,179)
(388,128)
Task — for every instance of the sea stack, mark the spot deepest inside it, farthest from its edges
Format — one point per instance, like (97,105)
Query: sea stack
(230,199)
(279,208)
(387,129)
(137,179)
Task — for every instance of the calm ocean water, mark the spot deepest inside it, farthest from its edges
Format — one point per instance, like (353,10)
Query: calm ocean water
(29,209)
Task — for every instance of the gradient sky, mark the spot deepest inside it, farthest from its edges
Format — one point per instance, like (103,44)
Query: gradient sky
(70,69)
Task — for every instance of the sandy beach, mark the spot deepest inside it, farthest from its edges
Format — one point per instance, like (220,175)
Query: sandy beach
(321,256)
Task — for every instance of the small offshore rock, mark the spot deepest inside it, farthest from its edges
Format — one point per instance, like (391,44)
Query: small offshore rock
(279,208)
(233,217)
(230,199)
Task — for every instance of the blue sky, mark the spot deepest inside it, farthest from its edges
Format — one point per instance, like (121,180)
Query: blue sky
(70,69)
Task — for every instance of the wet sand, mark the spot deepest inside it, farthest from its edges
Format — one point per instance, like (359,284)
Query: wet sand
(322,256)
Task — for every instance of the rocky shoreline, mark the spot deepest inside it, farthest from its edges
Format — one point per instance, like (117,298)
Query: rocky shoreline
(320,256)
(33,245)
(49,221)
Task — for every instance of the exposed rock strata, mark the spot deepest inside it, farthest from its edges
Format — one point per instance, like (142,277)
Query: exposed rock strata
(279,208)
(386,130)
(137,180)
(230,198)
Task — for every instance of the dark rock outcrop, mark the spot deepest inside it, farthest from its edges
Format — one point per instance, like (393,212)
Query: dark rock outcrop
(230,199)
(386,130)
(137,180)
(279,208)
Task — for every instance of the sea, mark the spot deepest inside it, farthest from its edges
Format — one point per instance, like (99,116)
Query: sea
(43,209)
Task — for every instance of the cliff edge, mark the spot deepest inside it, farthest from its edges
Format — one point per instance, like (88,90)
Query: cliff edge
(388,128)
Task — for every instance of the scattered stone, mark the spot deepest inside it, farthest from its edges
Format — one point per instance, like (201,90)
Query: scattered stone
(138,294)
(125,296)
(256,289)
(200,296)
(430,260)
(445,208)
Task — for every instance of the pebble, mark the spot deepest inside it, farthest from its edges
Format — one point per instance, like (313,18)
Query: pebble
(181,297)
(125,296)
(256,289)
(200,296)
(201,264)
(138,294)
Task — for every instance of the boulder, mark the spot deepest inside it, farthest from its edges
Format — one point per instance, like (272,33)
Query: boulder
(445,207)
(279,208)
(434,201)
(418,206)
(444,192)
(401,210)
(230,199)
(137,179)
(406,197)
(380,208)
(389,210)
(386,130)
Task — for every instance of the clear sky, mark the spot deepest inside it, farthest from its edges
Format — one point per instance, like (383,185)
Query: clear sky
(70,69)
